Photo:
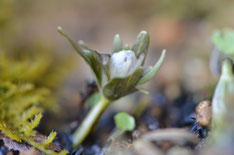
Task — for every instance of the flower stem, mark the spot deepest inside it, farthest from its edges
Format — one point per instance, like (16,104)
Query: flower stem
(90,120)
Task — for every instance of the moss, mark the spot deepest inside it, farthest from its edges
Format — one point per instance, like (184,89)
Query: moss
(24,96)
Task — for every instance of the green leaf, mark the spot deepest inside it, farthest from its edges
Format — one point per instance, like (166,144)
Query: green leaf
(90,56)
(117,44)
(84,45)
(95,64)
(77,48)
(141,45)
(224,40)
(149,73)
(124,121)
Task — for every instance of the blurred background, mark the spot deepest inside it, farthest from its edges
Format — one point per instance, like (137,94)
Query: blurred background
(183,27)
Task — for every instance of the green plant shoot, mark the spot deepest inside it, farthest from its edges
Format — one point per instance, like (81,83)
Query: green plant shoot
(117,75)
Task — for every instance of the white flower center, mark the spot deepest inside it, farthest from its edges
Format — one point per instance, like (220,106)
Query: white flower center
(122,62)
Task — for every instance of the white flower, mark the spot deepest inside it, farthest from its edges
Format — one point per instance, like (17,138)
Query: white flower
(122,62)
(121,72)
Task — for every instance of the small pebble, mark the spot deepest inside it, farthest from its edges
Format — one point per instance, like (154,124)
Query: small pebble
(203,113)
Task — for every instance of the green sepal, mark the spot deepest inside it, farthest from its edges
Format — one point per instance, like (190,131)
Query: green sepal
(95,63)
(117,44)
(141,45)
(149,72)
(105,62)
(91,57)
(142,90)
(119,87)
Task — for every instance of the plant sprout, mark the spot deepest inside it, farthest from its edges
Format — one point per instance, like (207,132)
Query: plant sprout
(224,90)
(117,75)
(222,106)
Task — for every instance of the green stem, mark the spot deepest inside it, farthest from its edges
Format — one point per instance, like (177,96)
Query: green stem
(90,120)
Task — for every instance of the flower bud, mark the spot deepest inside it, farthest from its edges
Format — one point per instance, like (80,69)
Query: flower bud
(142,44)
(122,62)
(120,73)
(117,44)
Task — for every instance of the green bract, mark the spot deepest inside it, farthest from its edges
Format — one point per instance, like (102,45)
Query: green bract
(122,72)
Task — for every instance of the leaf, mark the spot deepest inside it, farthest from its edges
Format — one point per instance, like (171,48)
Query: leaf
(141,45)
(117,44)
(77,48)
(91,57)
(84,45)
(95,64)
(103,57)
(124,121)
(224,40)
(153,71)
